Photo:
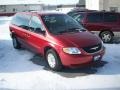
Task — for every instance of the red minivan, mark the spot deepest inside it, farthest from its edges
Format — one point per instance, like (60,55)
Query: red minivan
(105,24)
(56,36)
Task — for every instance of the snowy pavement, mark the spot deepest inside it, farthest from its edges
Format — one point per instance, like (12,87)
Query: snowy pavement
(21,69)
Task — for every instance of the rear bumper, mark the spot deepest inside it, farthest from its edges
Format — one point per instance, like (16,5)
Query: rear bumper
(79,60)
(116,34)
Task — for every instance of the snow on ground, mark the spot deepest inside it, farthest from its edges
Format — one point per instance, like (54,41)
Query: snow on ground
(21,69)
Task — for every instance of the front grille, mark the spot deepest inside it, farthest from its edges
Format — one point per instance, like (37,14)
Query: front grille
(93,49)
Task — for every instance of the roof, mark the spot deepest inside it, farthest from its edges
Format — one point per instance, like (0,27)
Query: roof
(90,11)
(49,12)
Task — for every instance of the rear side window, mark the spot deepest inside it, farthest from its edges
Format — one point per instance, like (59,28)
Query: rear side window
(95,17)
(110,17)
(21,20)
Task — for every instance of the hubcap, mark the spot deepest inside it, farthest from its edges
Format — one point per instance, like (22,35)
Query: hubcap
(14,42)
(106,37)
(51,60)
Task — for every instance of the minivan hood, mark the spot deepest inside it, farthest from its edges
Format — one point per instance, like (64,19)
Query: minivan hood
(80,39)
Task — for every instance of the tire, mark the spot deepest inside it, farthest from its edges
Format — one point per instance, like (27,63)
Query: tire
(16,44)
(106,36)
(53,60)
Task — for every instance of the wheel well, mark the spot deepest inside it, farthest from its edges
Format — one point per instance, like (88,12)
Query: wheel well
(12,35)
(48,48)
(108,31)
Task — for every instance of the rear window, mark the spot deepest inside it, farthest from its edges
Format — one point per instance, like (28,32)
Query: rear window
(21,20)
(95,17)
(110,17)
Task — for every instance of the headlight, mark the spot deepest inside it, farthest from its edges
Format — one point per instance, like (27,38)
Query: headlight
(102,42)
(103,45)
(72,50)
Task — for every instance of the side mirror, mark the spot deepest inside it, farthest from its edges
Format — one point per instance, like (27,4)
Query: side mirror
(43,32)
(39,30)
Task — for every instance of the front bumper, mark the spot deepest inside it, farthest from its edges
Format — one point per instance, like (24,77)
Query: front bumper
(77,60)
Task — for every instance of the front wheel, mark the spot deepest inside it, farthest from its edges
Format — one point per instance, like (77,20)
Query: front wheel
(106,36)
(53,60)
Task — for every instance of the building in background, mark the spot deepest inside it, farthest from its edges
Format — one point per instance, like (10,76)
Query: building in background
(19,8)
(13,6)
(68,7)
(107,5)
(81,2)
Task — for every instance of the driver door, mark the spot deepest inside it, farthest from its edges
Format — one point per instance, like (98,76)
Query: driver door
(36,37)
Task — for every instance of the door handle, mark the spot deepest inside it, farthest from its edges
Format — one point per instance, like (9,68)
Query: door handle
(27,35)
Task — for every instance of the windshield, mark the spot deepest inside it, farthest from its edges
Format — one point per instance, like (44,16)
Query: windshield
(60,23)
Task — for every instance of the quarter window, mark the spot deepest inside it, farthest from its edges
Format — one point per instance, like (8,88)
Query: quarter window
(109,17)
(21,20)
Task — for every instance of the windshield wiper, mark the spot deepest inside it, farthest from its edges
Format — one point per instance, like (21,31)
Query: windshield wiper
(69,30)
(60,32)
(76,30)
(83,30)
(72,30)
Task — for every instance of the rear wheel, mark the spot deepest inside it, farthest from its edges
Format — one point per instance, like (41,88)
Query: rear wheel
(106,36)
(16,44)
(53,60)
